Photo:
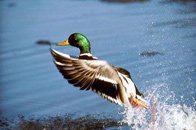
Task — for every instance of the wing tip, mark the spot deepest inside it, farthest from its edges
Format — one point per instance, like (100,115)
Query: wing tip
(57,53)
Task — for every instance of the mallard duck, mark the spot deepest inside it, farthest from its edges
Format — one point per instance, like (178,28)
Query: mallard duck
(90,73)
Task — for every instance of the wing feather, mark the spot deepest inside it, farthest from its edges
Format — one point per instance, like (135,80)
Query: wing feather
(95,75)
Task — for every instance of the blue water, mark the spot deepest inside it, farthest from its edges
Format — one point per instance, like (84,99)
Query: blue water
(30,84)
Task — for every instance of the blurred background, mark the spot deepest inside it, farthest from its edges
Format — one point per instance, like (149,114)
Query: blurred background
(153,39)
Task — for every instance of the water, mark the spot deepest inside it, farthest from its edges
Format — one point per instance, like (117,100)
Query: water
(154,40)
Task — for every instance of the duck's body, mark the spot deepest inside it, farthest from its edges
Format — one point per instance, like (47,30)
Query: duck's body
(90,73)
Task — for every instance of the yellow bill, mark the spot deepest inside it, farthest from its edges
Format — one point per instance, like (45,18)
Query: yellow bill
(64,43)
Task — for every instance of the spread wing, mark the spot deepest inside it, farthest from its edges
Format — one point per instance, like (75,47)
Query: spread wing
(95,75)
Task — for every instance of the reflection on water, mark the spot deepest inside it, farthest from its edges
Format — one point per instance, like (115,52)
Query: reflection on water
(152,40)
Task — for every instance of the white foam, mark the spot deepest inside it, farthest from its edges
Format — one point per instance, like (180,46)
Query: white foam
(167,116)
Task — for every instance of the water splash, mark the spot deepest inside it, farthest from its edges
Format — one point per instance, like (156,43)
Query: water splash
(168,114)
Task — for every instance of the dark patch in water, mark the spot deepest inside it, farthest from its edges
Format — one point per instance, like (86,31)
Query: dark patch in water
(189,4)
(44,42)
(150,53)
(179,1)
(11,5)
(123,1)
(67,122)
(181,23)
(190,10)
(4,122)
(190,36)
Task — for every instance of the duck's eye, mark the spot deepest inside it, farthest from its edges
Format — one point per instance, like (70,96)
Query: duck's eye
(73,40)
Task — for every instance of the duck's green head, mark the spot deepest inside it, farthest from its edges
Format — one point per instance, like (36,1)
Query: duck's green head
(77,40)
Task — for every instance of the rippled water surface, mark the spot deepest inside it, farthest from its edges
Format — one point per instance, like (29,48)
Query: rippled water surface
(154,40)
